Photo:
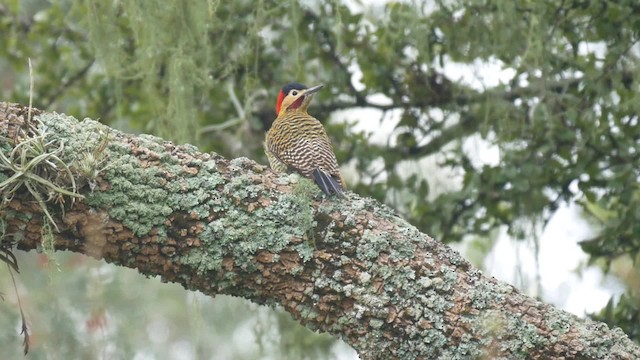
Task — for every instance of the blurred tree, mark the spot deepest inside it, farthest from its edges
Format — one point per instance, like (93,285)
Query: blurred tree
(564,120)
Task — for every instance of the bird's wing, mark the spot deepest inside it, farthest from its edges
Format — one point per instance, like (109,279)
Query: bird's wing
(307,155)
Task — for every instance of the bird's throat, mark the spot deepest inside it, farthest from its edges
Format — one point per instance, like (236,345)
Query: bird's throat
(296,104)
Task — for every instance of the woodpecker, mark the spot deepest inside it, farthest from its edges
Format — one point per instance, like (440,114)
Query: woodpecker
(298,142)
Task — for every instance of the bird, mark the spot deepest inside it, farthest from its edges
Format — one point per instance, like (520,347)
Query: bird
(298,142)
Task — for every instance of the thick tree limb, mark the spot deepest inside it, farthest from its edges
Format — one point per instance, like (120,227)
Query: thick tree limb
(351,268)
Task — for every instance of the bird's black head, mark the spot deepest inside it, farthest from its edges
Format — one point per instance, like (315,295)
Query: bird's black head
(293,86)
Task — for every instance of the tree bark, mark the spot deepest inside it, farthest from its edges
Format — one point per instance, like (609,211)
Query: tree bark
(348,267)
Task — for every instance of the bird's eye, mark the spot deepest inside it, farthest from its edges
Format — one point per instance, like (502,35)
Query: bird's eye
(294,93)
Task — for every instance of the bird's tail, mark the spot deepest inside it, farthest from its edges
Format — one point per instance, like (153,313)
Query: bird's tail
(327,183)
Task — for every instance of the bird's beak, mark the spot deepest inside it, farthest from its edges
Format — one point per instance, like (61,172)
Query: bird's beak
(314,89)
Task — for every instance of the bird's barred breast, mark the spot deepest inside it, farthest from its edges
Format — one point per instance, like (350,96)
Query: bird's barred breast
(300,141)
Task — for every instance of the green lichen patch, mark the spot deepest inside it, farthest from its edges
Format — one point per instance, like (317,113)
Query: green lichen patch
(516,334)
(136,196)
(201,261)
(559,322)
(484,295)
(145,183)
(240,233)
(373,242)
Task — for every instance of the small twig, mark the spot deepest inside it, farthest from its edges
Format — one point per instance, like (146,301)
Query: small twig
(235,101)
(30,92)
(24,331)
(217,127)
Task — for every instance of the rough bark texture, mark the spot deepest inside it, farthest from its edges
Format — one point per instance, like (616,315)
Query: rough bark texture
(348,267)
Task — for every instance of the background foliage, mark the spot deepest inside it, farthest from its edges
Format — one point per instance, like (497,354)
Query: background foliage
(564,123)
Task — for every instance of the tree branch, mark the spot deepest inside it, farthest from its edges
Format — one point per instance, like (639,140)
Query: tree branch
(351,268)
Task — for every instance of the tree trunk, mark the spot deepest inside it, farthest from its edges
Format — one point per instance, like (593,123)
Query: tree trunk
(348,267)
